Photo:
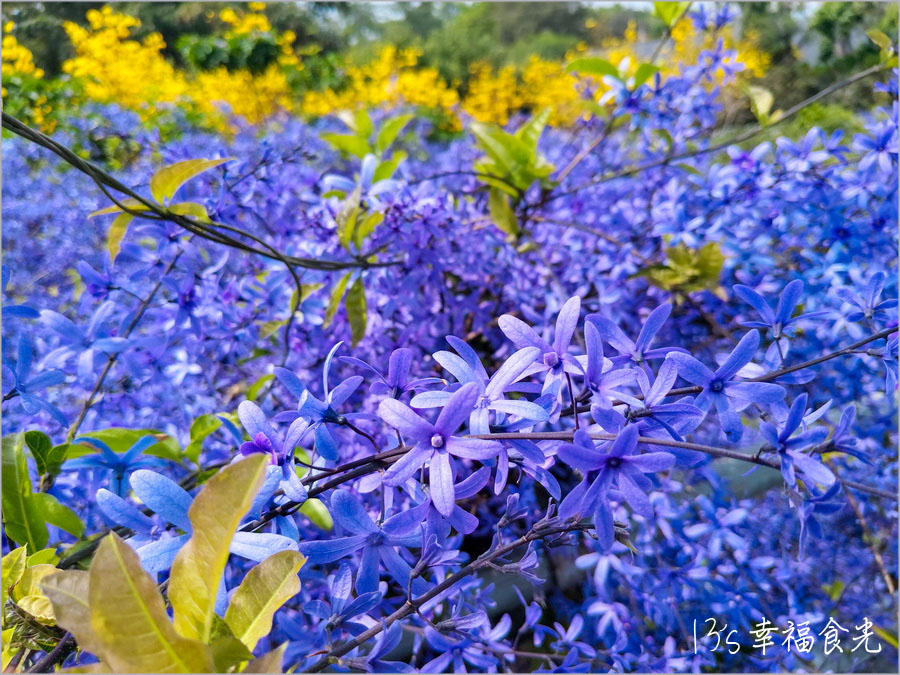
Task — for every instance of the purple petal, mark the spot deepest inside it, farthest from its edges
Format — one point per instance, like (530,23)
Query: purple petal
(651,327)
(566,323)
(258,546)
(350,514)
(510,371)
(457,409)
(329,550)
(472,448)
(638,501)
(402,470)
(651,462)
(691,369)
(521,334)
(402,418)
(441,483)
(741,355)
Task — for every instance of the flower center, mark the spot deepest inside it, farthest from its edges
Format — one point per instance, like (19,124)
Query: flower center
(614,462)
(717,386)
(437,441)
(551,359)
(376,538)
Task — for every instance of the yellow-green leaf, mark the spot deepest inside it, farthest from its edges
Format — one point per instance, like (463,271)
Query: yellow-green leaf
(357,311)
(337,294)
(670,12)
(39,607)
(69,593)
(58,514)
(270,662)
(318,513)
(21,516)
(266,587)
(194,209)
(761,100)
(593,66)
(349,144)
(200,564)
(130,203)
(116,234)
(502,213)
(389,132)
(129,617)
(165,182)
(13,565)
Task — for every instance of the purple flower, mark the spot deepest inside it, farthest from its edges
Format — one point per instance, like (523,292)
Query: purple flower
(120,465)
(19,383)
(265,441)
(721,391)
(867,305)
(491,391)
(553,359)
(638,350)
(780,321)
(376,543)
(434,443)
(397,381)
(788,446)
(317,412)
(617,465)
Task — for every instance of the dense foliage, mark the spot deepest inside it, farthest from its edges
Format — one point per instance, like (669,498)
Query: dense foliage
(527,398)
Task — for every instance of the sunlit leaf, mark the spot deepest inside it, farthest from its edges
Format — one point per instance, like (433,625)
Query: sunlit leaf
(116,233)
(22,518)
(266,587)
(215,515)
(129,617)
(165,182)
(357,311)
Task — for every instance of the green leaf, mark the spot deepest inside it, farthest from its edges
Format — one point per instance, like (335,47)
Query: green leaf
(495,143)
(120,439)
(46,557)
(215,515)
(318,513)
(130,203)
(270,662)
(530,132)
(129,617)
(48,457)
(347,217)
(887,636)
(880,39)
(670,12)
(386,169)
(351,145)
(389,132)
(761,100)
(192,209)
(13,567)
(256,387)
(201,427)
(643,73)
(593,66)
(265,588)
(502,213)
(68,592)
(30,581)
(116,234)
(366,227)
(165,182)
(337,294)
(22,518)
(58,514)
(29,596)
(227,650)
(357,311)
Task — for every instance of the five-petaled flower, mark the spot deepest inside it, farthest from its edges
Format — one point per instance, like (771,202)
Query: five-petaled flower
(434,443)
(719,388)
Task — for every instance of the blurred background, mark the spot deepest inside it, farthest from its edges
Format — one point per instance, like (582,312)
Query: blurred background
(249,61)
